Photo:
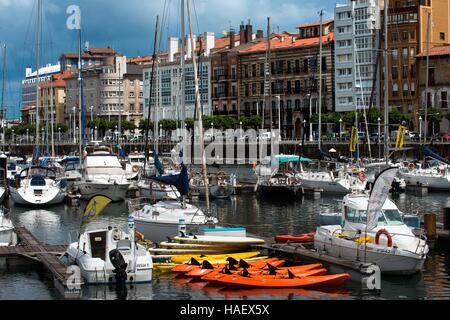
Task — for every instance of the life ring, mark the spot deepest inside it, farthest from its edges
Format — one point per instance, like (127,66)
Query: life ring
(135,168)
(362,176)
(387,234)
(355,169)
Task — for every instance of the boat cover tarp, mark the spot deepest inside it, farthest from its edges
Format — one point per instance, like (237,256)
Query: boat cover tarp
(430,153)
(179,181)
(158,164)
(282,159)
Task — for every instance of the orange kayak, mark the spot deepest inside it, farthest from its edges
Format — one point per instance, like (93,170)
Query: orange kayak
(255,268)
(267,282)
(185,268)
(305,238)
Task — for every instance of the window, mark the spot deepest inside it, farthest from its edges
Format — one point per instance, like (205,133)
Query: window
(412,52)
(405,90)
(405,35)
(444,102)
(405,53)
(412,35)
(442,36)
(405,71)
(395,90)
(394,72)
(413,89)
(395,54)
(394,36)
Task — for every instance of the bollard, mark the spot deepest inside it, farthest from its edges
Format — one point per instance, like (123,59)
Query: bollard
(430,226)
(447,219)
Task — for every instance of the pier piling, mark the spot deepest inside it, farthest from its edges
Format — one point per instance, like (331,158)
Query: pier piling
(430,226)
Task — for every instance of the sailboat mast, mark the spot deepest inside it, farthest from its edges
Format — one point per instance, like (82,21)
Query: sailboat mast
(152,77)
(386,77)
(52,107)
(156,76)
(198,108)
(266,77)
(320,78)
(82,130)
(38,62)
(427,78)
(2,106)
(182,78)
(355,98)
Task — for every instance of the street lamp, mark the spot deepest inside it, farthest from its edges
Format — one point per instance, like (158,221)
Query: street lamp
(13,138)
(92,120)
(279,114)
(95,133)
(59,134)
(28,130)
(379,138)
(160,131)
(340,130)
(240,132)
(420,130)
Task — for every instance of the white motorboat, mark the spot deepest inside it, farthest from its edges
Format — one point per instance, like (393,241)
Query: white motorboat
(162,220)
(37,186)
(104,254)
(7,235)
(391,245)
(135,165)
(3,194)
(435,178)
(103,175)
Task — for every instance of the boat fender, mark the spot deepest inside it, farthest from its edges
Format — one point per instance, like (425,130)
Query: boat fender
(135,169)
(387,234)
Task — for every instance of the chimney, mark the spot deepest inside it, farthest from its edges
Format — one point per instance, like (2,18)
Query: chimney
(189,46)
(28,72)
(232,39)
(259,34)
(210,42)
(249,32)
(242,33)
(173,48)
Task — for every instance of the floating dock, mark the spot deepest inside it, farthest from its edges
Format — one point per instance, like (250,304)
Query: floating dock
(49,256)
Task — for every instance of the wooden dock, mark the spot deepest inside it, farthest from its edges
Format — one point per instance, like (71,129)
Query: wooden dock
(49,256)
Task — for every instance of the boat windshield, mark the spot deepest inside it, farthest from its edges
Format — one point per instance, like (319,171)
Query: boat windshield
(390,217)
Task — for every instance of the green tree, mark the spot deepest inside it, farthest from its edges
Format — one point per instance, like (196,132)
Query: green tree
(395,117)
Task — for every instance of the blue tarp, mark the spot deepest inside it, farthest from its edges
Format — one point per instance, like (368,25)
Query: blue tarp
(282,159)
(179,181)
(430,153)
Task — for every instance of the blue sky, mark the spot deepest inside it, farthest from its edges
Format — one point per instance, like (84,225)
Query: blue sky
(128,27)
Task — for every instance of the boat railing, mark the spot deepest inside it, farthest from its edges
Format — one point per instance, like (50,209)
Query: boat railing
(363,235)
(139,203)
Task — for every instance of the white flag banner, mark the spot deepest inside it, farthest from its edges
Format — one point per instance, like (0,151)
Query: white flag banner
(379,195)
(74,19)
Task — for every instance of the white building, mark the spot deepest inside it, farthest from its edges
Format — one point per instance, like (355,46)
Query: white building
(168,82)
(29,83)
(354,84)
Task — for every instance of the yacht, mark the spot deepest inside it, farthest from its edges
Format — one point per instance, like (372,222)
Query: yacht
(391,245)
(103,175)
(157,191)
(135,165)
(104,253)
(434,177)
(37,186)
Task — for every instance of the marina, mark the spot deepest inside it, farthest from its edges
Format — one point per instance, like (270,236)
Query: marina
(267,165)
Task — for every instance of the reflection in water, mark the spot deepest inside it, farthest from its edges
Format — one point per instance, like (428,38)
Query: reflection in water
(261,217)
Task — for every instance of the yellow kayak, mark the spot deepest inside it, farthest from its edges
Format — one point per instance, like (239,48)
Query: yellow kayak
(218,258)
(164,267)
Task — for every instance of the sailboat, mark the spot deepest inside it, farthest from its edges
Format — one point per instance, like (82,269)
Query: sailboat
(219,185)
(373,231)
(109,255)
(37,186)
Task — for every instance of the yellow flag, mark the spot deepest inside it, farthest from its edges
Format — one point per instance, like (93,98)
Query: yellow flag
(353,140)
(93,209)
(400,137)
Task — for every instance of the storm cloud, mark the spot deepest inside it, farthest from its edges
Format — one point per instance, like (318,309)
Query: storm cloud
(128,27)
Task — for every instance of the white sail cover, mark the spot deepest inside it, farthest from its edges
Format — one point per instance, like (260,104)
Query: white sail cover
(379,195)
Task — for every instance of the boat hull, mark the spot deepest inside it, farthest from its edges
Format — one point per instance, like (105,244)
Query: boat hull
(116,192)
(215,192)
(389,260)
(6,237)
(21,197)
(159,231)
(434,182)
(279,191)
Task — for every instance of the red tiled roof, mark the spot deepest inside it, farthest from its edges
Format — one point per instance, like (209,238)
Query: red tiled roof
(28,108)
(101,50)
(436,51)
(286,43)
(315,24)
(58,80)
(89,53)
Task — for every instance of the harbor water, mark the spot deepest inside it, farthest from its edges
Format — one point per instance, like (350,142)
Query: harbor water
(262,217)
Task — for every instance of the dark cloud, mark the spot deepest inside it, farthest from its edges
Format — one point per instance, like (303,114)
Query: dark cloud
(128,26)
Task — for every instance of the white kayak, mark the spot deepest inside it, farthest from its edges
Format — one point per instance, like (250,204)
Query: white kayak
(187,251)
(178,245)
(211,240)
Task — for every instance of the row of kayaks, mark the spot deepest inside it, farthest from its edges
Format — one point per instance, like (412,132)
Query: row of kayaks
(263,273)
